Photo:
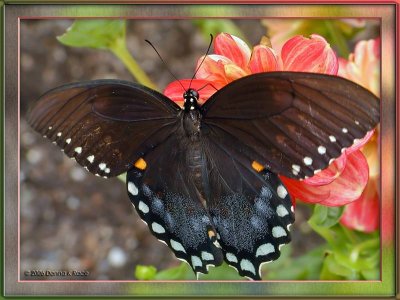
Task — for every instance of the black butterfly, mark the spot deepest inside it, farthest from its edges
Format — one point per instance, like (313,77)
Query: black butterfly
(204,178)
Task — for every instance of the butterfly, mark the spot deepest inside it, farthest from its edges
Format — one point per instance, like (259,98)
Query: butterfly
(204,178)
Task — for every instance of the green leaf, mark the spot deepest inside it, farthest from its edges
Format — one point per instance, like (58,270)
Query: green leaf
(145,272)
(99,34)
(325,216)
(305,267)
(182,272)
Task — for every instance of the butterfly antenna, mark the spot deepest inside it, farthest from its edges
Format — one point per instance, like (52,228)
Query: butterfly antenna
(208,50)
(166,66)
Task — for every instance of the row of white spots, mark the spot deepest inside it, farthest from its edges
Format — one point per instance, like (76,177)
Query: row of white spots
(278,232)
(231,257)
(265,249)
(282,192)
(143,207)
(295,169)
(177,246)
(206,255)
(132,188)
(78,150)
(246,265)
(321,150)
(196,261)
(157,228)
(281,211)
(307,161)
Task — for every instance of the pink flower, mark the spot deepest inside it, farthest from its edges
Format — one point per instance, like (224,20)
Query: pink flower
(363,67)
(345,179)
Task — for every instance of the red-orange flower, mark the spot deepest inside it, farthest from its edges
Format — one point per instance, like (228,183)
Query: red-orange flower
(363,67)
(346,178)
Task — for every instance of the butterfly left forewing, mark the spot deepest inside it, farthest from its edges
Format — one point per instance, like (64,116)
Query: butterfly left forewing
(105,125)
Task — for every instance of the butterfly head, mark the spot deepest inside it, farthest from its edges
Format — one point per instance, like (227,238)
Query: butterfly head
(190,98)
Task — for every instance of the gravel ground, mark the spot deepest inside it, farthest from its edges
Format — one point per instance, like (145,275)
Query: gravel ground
(70,219)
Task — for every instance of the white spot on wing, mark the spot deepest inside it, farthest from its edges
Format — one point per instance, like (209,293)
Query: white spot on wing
(231,257)
(90,158)
(78,150)
(307,161)
(107,170)
(206,255)
(50,127)
(358,123)
(68,140)
(282,192)
(157,228)
(102,166)
(295,169)
(177,246)
(344,130)
(317,171)
(143,207)
(196,261)
(281,211)
(246,265)
(265,249)
(332,138)
(278,232)
(292,209)
(132,188)
(321,150)
(59,134)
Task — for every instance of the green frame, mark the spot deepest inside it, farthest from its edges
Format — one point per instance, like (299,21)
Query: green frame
(12,14)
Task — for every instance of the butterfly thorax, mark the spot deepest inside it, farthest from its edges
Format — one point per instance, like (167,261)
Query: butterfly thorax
(191,115)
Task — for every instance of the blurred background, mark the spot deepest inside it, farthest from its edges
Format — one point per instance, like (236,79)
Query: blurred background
(72,220)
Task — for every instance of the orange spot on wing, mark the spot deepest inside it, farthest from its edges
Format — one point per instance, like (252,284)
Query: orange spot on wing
(140,164)
(257,166)
(211,233)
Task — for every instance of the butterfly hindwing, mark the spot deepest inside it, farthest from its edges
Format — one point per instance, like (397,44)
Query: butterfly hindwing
(104,124)
(293,123)
(168,201)
(251,210)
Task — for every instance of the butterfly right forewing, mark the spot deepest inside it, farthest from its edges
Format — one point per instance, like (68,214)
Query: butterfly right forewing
(293,123)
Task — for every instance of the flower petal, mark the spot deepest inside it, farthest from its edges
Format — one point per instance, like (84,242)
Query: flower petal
(233,72)
(233,48)
(363,66)
(175,90)
(329,174)
(263,59)
(309,55)
(363,214)
(346,188)
(360,143)
(212,69)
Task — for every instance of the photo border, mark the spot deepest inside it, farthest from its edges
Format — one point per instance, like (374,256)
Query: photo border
(12,14)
